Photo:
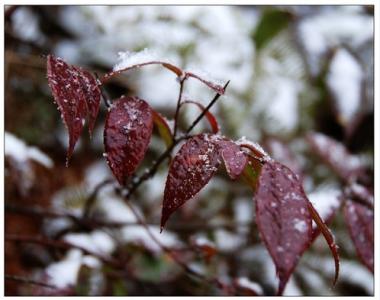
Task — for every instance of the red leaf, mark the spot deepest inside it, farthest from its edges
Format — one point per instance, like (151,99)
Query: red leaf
(322,227)
(218,88)
(210,117)
(360,222)
(191,169)
(92,94)
(66,85)
(336,155)
(167,65)
(282,217)
(127,133)
(234,159)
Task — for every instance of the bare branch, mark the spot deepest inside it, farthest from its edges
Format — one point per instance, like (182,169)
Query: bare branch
(28,281)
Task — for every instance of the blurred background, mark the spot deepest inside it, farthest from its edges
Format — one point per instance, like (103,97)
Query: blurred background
(293,70)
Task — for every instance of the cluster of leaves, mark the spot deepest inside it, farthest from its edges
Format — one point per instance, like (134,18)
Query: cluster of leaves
(284,214)
(359,202)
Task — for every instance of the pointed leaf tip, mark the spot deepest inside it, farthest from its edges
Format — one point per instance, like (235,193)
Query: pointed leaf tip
(65,84)
(127,134)
(191,169)
(235,160)
(282,217)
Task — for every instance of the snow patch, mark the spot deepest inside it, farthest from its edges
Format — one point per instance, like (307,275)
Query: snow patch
(97,242)
(251,285)
(345,80)
(139,235)
(20,152)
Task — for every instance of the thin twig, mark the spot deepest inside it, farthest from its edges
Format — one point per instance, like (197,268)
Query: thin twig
(203,113)
(136,183)
(163,247)
(153,169)
(91,199)
(29,281)
(103,92)
(181,82)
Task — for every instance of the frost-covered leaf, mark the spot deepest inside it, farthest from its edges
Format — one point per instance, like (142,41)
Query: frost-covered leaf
(191,169)
(335,154)
(234,159)
(214,84)
(210,117)
(92,95)
(282,217)
(127,133)
(134,60)
(360,222)
(163,128)
(66,85)
(255,149)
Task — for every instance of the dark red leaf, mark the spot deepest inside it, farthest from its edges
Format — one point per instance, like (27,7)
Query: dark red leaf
(92,95)
(210,117)
(282,217)
(66,85)
(322,227)
(234,159)
(335,154)
(360,222)
(191,169)
(127,133)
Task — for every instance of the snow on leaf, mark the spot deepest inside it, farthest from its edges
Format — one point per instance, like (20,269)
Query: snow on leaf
(234,159)
(92,95)
(282,217)
(127,133)
(134,60)
(255,149)
(67,89)
(360,222)
(335,154)
(210,117)
(191,169)
(212,83)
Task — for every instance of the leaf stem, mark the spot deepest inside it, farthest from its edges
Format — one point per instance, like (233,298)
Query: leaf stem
(181,82)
